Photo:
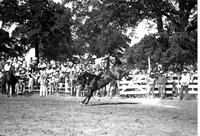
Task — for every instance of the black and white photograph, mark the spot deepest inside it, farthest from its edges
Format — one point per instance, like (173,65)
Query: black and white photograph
(99,68)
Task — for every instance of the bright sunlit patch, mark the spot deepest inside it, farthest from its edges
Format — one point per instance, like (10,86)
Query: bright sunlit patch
(168,106)
(58,1)
(151,102)
(142,101)
(157,102)
(145,27)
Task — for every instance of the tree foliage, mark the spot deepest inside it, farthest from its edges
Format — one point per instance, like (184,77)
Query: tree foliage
(42,24)
(176,40)
(4,41)
(94,28)
(99,27)
(181,53)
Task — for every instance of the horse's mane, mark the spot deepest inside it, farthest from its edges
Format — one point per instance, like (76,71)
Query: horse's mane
(86,77)
(89,74)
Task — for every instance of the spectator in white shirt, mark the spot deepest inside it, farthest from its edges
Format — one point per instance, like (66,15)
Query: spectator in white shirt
(43,85)
(151,81)
(7,66)
(185,80)
(30,83)
(67,84)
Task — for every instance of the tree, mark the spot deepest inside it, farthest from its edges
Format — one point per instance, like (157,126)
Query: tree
(182,51)
(99,26)
(176,39)
(46,28)
(8,13)
(139,53)
(4,40)
(94,27)
(41,24)
(97,33)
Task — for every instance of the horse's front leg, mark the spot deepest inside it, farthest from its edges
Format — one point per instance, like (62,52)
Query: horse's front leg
(83,102)
(89,96)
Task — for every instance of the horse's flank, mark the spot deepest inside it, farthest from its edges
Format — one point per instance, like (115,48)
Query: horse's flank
(96,82)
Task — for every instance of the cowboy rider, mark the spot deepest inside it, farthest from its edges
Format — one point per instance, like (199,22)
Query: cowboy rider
(116,74)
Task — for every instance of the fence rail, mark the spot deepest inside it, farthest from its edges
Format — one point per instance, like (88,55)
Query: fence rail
(132,88)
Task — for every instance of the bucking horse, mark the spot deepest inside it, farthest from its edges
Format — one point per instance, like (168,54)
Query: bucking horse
(96,82)
(8,82)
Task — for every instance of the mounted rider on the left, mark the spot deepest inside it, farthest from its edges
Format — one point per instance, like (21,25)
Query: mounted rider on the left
(9,79)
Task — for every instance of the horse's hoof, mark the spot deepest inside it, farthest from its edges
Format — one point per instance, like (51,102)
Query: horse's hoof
(81,103)
(84,104)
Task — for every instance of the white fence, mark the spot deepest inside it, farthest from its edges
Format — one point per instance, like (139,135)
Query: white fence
(140,87)
(135,88)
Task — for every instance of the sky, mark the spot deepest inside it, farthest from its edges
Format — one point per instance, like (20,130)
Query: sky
(146,27)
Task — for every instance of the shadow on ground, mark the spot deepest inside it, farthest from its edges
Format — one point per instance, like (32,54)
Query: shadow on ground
(114,103)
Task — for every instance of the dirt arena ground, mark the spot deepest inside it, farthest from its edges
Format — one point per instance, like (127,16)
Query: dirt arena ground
(64,116)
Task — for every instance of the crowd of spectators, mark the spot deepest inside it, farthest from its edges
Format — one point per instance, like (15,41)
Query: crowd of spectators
(48,75)
(180,86)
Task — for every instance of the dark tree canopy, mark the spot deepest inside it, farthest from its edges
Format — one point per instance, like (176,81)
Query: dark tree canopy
(99,27)
(4,41)
(176,40)
(42,24)
(96,30)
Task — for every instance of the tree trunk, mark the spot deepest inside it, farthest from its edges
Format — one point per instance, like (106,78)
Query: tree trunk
(185,10)
(37,52)
(108,63)
(163,39)
(159,23)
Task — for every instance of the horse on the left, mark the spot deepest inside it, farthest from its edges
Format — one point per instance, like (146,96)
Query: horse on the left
(8,82)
